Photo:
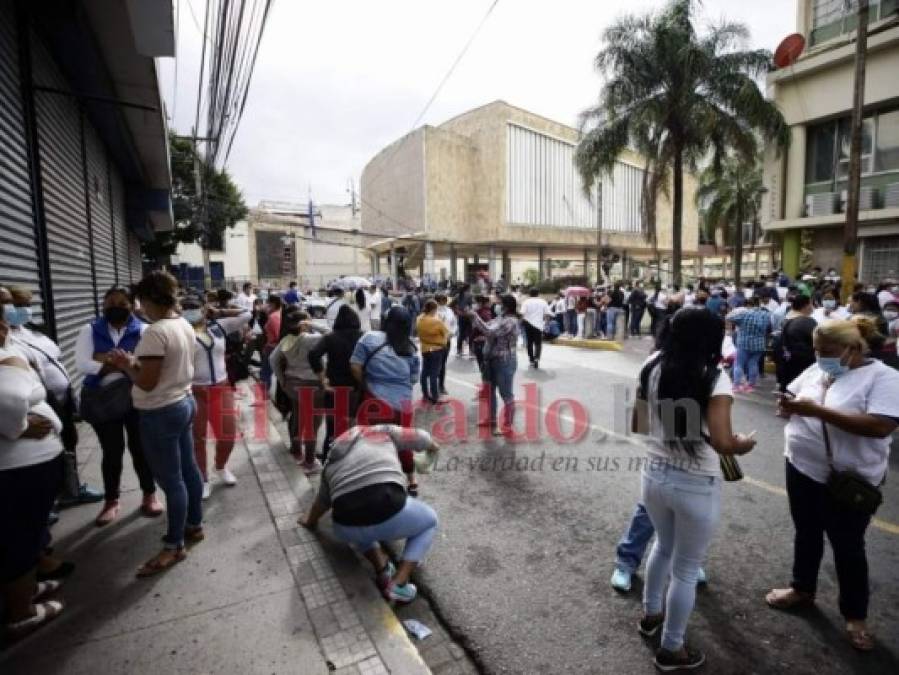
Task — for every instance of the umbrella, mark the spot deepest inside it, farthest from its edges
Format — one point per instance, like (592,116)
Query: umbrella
(352,283)
(578,291)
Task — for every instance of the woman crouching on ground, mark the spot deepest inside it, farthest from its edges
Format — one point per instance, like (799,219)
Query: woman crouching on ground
(364,487)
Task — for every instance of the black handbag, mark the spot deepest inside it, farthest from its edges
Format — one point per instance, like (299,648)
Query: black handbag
(849,489)
(106,403)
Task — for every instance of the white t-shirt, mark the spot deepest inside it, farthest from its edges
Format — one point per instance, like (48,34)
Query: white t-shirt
(820,316)
(706,461)
(871,389)
(245,301)
(448,317)
(21,393)
(173,340)
(534,311)
(885,296)
(41,351)
(374,303)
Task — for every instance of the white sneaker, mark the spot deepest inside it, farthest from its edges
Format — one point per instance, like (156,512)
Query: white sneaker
(227,477)
(207,489)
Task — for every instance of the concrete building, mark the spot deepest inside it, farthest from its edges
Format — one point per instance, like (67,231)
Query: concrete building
(276,245)
(805,203)
(495,189)
(84,164)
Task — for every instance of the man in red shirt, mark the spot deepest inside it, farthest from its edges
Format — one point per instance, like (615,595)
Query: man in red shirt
(272,337)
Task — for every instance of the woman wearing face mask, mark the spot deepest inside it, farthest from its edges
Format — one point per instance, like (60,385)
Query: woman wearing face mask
(849,403)
(889,351)
(117,328)
(162,370)
(211,390)
(829,308)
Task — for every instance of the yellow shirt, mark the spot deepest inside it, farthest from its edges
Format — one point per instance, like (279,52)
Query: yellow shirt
(432,332)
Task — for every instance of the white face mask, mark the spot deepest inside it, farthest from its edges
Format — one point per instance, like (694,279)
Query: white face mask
(890,314)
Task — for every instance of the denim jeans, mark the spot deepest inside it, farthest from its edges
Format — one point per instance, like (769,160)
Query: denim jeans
(636,320)
(685,509)
(167,437)
(501,373)
(612,314)
(633,543)
(430,374)
(416,523)
(571,321)
(747,363)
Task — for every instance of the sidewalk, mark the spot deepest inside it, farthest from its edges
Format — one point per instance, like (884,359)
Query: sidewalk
(259,595)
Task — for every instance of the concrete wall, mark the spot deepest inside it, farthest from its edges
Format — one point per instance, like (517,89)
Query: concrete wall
(392,189)
(234,257)
(451,164)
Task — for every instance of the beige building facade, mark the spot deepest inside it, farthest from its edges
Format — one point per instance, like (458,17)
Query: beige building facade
(495,190)
(807,185)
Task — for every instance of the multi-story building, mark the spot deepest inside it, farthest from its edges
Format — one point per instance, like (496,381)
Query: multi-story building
(84,163)
(807,184)
(496,189)
(277,244)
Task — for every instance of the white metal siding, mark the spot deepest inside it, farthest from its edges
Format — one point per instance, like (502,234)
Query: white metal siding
(544,188)
(135,260)
(101,214)
(120,229)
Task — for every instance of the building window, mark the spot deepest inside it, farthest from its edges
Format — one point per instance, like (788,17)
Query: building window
(880,259)
(832,18)
(544,189)
(827,148)
(887,154)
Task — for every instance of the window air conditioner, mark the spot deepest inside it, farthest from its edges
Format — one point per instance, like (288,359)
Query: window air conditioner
(822,204)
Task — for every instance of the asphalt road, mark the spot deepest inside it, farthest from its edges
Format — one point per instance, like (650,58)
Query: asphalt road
(520,571)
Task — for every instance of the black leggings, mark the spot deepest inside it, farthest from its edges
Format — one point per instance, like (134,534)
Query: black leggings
(815,514)
(112,442)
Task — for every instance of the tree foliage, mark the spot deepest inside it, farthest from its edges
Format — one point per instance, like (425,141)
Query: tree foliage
(676,97)
(219,206)
(728,198)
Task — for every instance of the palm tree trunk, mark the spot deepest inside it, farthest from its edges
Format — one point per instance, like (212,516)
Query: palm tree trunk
(678,216)
(738,244)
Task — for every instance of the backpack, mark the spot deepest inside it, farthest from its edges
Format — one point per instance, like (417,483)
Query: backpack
(237,356)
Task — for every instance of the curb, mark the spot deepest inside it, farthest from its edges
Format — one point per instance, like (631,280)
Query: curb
(356,629)
(602,345)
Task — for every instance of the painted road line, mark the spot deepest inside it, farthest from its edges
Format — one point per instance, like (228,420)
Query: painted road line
(883,525)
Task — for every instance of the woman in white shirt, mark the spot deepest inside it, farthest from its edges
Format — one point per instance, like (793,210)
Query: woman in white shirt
(212,392)
(30,478)
(162,371)
(685,407)
(849,402)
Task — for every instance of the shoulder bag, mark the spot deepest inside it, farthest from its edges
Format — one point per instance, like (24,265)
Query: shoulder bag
(848,488)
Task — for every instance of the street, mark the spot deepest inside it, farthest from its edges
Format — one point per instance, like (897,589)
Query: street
(521,570)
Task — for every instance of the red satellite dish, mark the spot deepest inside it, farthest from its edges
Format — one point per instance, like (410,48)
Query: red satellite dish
(789,50)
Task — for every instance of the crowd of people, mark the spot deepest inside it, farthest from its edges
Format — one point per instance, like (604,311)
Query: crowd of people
(161,364)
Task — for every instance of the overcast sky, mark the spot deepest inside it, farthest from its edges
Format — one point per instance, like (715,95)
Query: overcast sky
(337,80)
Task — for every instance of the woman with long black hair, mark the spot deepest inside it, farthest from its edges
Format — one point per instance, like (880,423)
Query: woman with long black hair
(684,408)
(386,365)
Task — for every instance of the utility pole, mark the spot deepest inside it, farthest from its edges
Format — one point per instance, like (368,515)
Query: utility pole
(200,213)
(850,234)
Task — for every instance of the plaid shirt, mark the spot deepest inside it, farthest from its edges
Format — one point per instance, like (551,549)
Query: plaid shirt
(752,328)
(502,335)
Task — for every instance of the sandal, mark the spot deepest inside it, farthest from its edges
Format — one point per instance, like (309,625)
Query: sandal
(412,490)
(45,588)
(194,535)
(161,562)
(44,612)
(860,639)
(789,598)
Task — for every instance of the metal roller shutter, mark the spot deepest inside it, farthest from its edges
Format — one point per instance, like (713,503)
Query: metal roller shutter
(18,250)
(101,213)
(68,233)
(119,227)
(135,257)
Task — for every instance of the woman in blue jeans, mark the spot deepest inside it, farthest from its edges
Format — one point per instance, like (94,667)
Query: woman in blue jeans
(364,487)
(684,407)
(501,361)
(162,371)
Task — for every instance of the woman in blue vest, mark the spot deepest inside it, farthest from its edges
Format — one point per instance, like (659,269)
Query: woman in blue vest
(117,328)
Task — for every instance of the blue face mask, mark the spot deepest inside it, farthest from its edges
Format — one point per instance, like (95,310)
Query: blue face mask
(193,316)
(16,316)
(829,304)
(832,365)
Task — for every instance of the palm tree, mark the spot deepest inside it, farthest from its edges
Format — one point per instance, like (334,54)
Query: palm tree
(675,97)
(727,198)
